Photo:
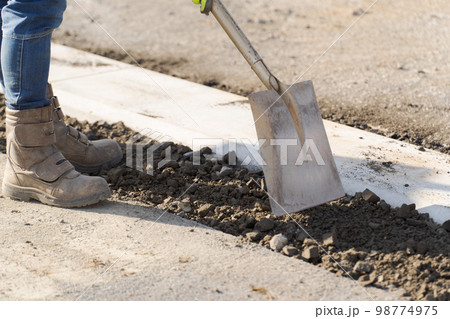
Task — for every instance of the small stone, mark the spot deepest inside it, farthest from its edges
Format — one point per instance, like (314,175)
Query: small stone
(446,225)
(253,236)
(370,196)
(244,190)
(266,239)
(215,176)
(302,236)
(411,243)
(205,151)
(309,242)
(290,251)
(240,173)
(181,149)
(387,164)
(185,206)
(422,247)
(278,242)
(351,256)
(441,232)
(363,267)
(262,206)
(250,222)
(422,149)
(394,136)
(230,158)
(257,193)
(115,173)
(385,206)
(311,253)
(265,224)
(404,212)
(205,209)
(329,239)
(188,155)
(226,171)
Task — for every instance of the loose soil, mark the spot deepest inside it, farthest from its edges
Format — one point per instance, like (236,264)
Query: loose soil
(378,245)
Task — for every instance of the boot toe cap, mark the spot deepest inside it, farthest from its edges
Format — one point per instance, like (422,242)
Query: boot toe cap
(108,150)
(82,186)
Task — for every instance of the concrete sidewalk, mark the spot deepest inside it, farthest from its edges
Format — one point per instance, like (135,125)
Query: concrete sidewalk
(93,88)
(124,251)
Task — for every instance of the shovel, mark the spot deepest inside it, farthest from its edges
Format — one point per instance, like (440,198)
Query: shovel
(299,168)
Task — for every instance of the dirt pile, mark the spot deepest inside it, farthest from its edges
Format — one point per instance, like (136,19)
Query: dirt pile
(373,243)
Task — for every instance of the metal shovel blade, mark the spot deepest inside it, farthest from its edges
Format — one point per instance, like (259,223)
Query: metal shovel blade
(300,172)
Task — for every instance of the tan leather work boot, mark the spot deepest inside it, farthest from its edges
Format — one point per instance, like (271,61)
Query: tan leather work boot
(87,156)
(36,168)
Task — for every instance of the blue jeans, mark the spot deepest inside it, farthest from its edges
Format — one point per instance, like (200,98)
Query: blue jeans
(25,50)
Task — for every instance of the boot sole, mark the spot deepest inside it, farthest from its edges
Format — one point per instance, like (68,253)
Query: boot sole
(96,168)
(27,193)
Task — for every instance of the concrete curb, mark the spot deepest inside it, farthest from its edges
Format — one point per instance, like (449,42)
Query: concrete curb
(93,88)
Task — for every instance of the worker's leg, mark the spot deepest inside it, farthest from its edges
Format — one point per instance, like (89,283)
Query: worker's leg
(25,54)
(35,167)
(27,27)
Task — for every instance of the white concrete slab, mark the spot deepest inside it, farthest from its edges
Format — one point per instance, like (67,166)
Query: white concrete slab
(97,88)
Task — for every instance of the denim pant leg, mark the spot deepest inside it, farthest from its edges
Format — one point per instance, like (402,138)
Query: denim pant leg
(2,4)
(25,51)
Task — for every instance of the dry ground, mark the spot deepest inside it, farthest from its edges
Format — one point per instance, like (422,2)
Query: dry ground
(368,238)
(389,72)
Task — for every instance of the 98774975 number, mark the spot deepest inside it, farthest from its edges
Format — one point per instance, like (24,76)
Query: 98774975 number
(405,310)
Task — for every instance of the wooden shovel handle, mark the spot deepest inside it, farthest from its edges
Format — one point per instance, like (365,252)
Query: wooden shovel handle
(242,43)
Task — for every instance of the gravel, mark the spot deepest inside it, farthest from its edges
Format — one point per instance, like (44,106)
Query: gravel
(370,196)
(278,242)
(311,254)
(363,267)
(446,225)
(265,224)
(290,251)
